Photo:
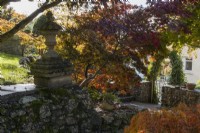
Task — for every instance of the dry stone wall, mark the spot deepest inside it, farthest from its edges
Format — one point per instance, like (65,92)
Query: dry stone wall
(66,110)
(141,93)
(172,96)
(144,92)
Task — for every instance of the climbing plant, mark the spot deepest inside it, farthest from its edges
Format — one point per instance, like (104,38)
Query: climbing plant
(153,74)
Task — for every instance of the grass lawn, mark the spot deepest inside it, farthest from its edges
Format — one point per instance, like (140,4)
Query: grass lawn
(11,70)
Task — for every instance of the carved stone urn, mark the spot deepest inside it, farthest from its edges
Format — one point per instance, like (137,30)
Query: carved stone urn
(51,71)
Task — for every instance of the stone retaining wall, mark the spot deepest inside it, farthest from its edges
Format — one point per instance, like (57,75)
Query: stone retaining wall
(172,97)
(58,111)
(139,94)
(11,46)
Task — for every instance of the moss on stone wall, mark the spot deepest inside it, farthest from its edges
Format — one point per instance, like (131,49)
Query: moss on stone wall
(55,111)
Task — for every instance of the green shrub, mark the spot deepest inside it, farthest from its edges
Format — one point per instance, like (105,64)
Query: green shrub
(197,85)
(98,96)
(177,76)
(95,95)
(110,98)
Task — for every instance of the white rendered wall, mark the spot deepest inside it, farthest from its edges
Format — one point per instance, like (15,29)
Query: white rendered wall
(192,76)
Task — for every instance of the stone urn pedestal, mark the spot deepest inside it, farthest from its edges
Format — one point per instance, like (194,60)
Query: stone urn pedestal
(51,70)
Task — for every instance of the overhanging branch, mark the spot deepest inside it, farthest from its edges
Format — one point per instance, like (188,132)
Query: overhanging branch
(28,19)
(5,2)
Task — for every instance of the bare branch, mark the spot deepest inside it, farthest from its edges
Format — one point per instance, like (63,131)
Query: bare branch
(24,22)
(86,70)
(89,77)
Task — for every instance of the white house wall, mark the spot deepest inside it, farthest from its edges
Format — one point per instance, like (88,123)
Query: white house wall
(192,76)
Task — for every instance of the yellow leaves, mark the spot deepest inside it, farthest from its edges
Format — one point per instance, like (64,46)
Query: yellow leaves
(25,38)
(17,17)
(152,59)
(40,43)
(6,26)
(80,48)
(96,16)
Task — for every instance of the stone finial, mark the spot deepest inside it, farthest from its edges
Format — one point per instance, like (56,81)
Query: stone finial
(50,25)
(50,16)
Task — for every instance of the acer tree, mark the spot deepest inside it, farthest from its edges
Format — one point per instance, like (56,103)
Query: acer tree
(109,47)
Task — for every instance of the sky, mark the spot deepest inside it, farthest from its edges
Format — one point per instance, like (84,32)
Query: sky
(26,7)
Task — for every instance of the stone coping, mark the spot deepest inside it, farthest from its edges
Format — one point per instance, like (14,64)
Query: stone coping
(10,89)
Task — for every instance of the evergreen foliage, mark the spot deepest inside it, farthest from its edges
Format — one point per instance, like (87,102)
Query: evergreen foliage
(177,75)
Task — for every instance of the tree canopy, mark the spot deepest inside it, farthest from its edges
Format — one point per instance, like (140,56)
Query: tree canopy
(160,7)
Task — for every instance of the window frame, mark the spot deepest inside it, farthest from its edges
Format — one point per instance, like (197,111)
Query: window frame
(188,60)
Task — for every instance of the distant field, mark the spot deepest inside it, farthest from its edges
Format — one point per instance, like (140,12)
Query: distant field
(11,70)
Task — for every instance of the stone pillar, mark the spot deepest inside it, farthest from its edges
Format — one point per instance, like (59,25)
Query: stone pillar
(51,71)
(144,94)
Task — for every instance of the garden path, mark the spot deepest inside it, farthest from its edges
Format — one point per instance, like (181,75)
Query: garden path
(141,106)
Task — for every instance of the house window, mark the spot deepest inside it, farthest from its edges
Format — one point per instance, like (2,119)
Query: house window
(188,64)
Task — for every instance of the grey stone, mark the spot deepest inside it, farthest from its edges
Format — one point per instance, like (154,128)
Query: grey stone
(120,131)
(27,99)
(71,120)
(18,113)
(54,82)
(55,107)
(1,130)
(117,122)
(27,127)
(108,119)
(44,112)
(2,120)
(61,121)
(3,111)
(55,130)
(72,104)
(73,129)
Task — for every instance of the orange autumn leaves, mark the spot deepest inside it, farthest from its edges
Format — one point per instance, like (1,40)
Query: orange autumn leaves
(181,119)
